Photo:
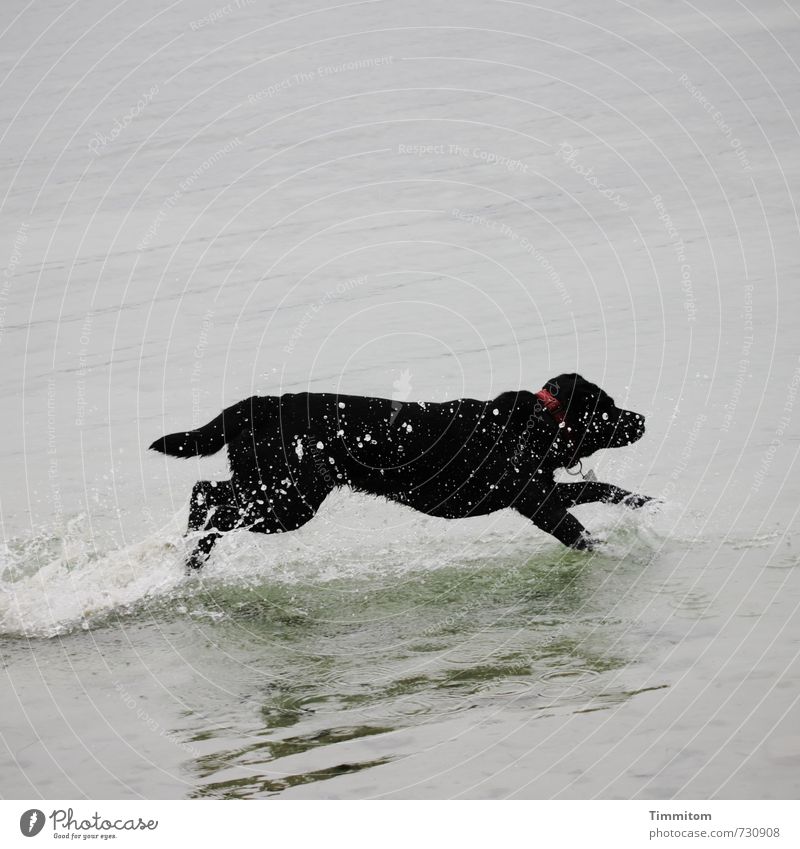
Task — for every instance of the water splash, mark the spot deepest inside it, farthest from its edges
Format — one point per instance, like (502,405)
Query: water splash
(54,583)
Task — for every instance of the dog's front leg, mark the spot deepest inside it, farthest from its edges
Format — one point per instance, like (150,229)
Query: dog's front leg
(563,526)
(589,492)
(550,514)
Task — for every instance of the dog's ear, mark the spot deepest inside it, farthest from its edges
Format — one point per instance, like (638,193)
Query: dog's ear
(563,385)
(553,386)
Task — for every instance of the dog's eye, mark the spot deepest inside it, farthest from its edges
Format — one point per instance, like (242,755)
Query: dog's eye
(605,417)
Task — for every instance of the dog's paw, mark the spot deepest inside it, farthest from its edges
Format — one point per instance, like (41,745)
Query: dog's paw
(587,542)
(194,563)
(635,500)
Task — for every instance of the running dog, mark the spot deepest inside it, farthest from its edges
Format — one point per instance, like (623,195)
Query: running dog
(453,459)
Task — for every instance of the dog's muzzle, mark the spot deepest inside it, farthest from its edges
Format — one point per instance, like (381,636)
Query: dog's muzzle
(630,427)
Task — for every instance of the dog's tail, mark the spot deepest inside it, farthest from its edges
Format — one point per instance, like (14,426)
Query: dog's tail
(210,438)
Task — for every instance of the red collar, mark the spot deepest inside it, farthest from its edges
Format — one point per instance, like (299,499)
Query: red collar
(552,405)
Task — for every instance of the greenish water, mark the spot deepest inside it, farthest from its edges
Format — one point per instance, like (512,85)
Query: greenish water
(270,676)
(275,670)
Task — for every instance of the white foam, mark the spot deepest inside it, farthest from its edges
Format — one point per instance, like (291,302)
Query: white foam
(43,594)
(51,585)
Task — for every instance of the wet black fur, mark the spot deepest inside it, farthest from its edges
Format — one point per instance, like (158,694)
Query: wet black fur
(453,459)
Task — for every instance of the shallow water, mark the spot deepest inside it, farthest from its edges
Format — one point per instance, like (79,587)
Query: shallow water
(234,238)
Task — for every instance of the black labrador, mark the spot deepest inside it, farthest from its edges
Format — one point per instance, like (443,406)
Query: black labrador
(453,459)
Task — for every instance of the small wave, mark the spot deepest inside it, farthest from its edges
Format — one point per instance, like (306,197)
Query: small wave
(56,583)
(51,584)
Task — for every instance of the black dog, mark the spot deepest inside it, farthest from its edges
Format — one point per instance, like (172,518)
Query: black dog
(454,459)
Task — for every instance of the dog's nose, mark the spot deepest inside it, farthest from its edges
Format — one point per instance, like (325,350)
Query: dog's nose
(632,426)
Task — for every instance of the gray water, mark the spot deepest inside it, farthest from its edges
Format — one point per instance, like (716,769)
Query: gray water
(421,202)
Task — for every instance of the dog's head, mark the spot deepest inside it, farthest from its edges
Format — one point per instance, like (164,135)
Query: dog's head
(591,419)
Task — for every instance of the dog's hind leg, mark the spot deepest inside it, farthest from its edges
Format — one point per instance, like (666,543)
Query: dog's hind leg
(217,500)
(257,519)
(223,519)
(206,495)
